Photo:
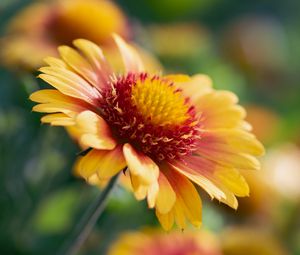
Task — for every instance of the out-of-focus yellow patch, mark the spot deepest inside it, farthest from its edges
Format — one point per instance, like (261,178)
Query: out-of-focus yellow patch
(91,19)
(36,31)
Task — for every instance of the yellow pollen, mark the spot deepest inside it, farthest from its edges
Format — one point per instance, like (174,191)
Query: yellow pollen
(159,102)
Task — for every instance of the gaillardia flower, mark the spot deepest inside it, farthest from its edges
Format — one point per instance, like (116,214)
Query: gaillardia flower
(153,242)
(41,27)
(169,131)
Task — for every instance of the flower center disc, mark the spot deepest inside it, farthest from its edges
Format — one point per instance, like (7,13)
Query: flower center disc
(152,114)
(159,102)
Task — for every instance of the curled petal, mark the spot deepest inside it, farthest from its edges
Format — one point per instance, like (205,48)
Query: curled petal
(140,165)
(103,163)
(144,174)
(94,131)
(141,191)
(152,194)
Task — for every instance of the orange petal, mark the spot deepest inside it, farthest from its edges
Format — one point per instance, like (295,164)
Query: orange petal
(166,220)
(95,56)
(193,87)
(79,64)
(48,95)
(230,159)
(104,163)
(52,101)
(58,119)
(231,148)
(94,131)
(142,191)
(179,215)
(233,181)
(131,58)
(70,84)
(166,196)
(232,140)
(152,194)
(219,110)
(188,202)
(75,134)
(56,62)
(139,190)
(229,199)
(219,182)
(91,51)
(140,165)
(144,174)
(198,175)
(95,181)
(227,117)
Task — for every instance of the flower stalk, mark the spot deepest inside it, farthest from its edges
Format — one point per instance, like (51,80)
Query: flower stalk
(87,222)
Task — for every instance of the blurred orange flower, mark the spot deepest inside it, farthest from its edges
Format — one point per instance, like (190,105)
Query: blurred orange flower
(168,130)
(36,31)
(175,243)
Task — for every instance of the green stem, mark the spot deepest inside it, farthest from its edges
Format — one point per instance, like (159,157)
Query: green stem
(87,222)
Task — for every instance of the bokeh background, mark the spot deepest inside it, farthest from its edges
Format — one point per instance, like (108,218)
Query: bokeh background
(249,47)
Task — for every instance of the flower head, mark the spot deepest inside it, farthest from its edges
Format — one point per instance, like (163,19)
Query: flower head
(153,243)
(36,31)
(170,131)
